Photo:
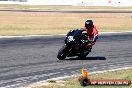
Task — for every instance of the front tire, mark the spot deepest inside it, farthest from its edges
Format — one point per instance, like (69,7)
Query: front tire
(63,52)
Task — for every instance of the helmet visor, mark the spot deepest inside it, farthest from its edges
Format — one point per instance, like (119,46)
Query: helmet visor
(88,25)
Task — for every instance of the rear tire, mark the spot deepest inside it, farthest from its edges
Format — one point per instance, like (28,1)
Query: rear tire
(63,52)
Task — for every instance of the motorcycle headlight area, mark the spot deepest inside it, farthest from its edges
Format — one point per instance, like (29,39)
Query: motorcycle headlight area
(70,38)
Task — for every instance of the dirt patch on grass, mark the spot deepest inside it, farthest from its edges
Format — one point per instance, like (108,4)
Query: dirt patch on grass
(57,84)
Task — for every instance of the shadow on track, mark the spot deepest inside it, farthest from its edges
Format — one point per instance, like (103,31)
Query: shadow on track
(87,58)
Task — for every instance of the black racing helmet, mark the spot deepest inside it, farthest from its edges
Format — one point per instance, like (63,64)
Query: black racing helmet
(89,24)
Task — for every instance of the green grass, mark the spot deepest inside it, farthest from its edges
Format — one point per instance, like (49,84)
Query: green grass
(51,81)
(121,74)
(74,83)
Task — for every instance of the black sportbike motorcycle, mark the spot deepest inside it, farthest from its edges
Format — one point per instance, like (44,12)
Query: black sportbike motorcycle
(75,45)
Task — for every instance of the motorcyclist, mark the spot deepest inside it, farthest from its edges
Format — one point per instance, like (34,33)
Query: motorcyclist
(92,33)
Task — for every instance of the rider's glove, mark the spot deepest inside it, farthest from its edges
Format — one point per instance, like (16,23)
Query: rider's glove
(94,38)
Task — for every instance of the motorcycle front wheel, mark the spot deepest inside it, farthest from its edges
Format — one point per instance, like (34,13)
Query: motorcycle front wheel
(63,52)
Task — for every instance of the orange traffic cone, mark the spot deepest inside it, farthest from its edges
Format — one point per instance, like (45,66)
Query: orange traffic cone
(84,80)
(84,73)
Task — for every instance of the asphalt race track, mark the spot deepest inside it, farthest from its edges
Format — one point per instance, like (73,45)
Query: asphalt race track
(31,59)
